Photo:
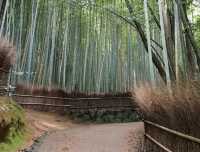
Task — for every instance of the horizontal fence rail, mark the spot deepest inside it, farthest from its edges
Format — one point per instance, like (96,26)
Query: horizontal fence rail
(177,134)
(4,90)
(43,104)
(4,71)
(75,98)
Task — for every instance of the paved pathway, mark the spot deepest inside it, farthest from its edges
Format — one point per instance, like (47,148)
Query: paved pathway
(95,138)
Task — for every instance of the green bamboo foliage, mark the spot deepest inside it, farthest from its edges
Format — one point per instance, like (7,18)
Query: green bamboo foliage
(73,45)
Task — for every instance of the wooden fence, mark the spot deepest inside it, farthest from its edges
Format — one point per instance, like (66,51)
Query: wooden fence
(74,104)
(4,82)
(162,139)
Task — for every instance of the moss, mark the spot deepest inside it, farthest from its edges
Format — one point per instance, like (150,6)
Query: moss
(12,123)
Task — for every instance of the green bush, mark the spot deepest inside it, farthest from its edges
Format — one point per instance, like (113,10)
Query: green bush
(12,125)
(106,116)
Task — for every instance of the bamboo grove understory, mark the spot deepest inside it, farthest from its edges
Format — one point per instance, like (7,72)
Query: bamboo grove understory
(101,45)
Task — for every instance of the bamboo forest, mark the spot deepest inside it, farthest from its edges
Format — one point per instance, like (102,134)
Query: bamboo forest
(102,46)
(129,70)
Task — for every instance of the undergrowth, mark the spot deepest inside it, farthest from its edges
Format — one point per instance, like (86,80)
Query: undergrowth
(12,125)
(105,116)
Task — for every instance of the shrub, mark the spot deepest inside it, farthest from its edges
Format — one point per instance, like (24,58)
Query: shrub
(7,55)
(12,125)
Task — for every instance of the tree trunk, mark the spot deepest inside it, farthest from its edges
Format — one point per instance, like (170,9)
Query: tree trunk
(161,5)
(188,30)
(2,8)
(149,43)
(178,43)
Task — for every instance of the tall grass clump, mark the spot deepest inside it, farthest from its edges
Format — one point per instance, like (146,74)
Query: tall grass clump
(7,55)
(177,108)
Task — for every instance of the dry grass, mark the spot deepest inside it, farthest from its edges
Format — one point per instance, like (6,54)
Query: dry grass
(178,109)
(7,55)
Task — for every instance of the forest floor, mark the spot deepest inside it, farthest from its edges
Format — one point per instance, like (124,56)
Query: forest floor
(67,136)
